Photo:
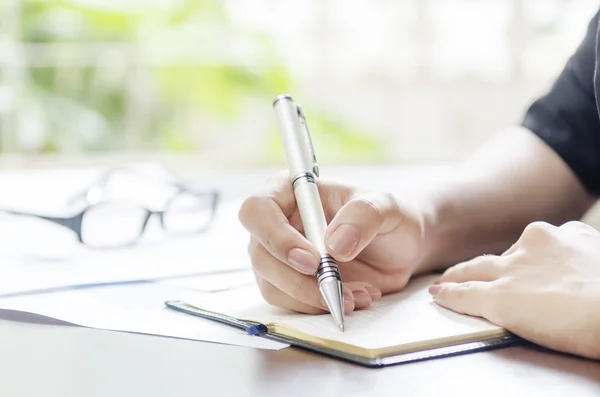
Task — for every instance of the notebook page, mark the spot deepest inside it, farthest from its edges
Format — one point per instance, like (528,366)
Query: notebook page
(405,317)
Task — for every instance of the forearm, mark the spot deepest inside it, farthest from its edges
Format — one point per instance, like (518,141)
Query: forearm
(513,180)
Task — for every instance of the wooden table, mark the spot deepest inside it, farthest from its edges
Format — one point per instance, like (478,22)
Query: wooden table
(40,357)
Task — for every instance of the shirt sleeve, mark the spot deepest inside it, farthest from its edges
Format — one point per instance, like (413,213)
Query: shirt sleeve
(567,116)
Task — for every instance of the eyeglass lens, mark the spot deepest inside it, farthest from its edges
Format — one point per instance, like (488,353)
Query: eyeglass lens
(188,213)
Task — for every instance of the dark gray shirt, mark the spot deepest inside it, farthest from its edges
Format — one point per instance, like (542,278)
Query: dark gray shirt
(568,116)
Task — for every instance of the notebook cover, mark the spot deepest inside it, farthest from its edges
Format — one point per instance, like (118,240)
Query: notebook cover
(404,358)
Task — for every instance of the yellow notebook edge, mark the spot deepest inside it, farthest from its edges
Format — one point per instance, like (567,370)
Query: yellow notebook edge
(412,347)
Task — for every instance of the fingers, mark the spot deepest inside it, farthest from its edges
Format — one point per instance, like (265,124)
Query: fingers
(264,216)
(301,287)
(284,261)
(470,297)
(359,221)
(356,299)
(277,297)
(482,268)
(466,287)
(364,294)
(283,286)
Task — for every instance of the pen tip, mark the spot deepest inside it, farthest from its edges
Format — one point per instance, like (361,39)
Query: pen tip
(342,327)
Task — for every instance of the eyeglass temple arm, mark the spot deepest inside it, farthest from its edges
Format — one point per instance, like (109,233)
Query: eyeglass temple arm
(73,222)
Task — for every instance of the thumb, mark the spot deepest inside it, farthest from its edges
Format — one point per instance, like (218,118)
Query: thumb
(358,222)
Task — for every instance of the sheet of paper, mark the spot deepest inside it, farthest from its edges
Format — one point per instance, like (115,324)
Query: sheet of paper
(405,317)
(134,308)
(213,282)
(221,250)
(39,256)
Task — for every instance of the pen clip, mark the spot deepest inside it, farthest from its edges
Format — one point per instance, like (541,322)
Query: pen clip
(308,139)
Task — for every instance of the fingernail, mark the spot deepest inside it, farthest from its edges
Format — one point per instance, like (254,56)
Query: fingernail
(434,289)
(344,240)
(374,292)
(348,301)
(302,260)
(348,304)
(361,298)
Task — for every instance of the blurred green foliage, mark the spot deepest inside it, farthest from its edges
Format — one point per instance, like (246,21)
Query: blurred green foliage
(87,107)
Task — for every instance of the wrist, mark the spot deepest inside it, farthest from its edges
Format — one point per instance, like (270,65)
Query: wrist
(446,226)
(432,235)
(460,222)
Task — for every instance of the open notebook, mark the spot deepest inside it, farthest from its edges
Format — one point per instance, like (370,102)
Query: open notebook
(403,327)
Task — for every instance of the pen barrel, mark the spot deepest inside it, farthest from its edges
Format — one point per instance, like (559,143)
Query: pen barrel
(311,212)
(297,147)
(293,136)
(314,222)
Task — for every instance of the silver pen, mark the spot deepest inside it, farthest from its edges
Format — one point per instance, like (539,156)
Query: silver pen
(303,168)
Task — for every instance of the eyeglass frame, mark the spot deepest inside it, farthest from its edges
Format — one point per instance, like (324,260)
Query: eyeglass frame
(75,222)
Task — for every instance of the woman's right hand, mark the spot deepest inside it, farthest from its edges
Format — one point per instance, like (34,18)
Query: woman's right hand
(378,242)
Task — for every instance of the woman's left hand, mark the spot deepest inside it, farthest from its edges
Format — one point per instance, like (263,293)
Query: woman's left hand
(545,288)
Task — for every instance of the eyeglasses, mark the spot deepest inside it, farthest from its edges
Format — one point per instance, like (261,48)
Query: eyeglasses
(120,223)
